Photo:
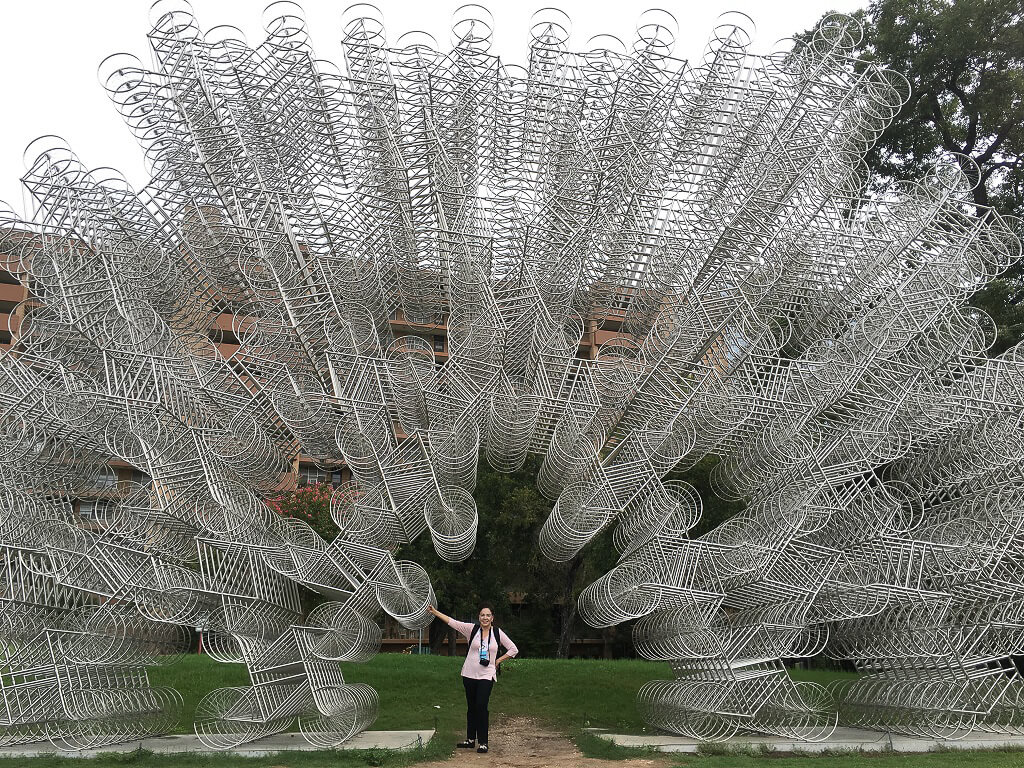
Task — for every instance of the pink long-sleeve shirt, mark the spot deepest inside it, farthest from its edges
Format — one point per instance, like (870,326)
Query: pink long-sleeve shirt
(471,667)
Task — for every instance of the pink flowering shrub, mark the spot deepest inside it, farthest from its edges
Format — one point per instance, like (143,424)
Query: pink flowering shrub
(310,503)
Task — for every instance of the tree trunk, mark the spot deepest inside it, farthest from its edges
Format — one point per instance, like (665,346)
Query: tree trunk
(566,633)
(981,198)
(607,641)
(451,641)
(436,636)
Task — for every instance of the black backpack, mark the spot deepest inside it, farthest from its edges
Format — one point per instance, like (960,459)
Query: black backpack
(497,637)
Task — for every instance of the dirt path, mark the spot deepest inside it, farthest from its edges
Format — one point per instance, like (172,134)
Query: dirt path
(519,742)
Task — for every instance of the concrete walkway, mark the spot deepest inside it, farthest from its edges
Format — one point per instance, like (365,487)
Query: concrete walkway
(282,742)
(844,739)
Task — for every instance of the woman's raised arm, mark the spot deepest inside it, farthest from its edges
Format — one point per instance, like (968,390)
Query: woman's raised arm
(438,614)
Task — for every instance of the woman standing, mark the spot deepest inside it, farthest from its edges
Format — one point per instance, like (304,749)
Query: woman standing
(479,670)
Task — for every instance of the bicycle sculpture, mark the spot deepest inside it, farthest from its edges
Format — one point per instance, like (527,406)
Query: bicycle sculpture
(707,217)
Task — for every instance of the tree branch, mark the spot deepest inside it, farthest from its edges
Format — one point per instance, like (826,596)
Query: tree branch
(968,107)
(942,124)
(1001,136)
(993,167)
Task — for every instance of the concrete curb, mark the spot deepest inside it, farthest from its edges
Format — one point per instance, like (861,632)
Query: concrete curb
(843,740)
(190,744)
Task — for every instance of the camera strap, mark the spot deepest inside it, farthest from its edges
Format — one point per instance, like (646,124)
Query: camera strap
(497,637)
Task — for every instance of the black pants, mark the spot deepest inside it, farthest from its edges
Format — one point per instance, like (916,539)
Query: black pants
(478,692)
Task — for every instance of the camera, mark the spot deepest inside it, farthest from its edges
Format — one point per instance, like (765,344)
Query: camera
(485,662)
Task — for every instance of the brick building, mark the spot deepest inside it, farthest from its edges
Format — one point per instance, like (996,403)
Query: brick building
(15,298)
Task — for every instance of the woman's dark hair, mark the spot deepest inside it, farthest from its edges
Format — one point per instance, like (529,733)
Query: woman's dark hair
(488,606)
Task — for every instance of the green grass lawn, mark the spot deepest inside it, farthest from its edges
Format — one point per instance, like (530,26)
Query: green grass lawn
(194,677)
(419,692)
(565,694)
(423,692)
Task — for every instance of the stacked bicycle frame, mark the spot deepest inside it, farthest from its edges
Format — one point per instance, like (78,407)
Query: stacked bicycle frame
(704,220)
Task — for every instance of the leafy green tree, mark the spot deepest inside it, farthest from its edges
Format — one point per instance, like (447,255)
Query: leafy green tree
(964,60)
(715,510)
(507,561)
(551,589)
(1003,300)
(311,504)
(965,64)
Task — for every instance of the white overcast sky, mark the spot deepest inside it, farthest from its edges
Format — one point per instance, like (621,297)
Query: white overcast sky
(50,50)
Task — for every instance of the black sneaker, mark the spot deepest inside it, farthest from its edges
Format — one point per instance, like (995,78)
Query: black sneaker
(482,748)
(467,744)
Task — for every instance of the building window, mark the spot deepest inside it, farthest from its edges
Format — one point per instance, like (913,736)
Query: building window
(93,509)
(310,474)
(141,478)
(439,343)
(107,479)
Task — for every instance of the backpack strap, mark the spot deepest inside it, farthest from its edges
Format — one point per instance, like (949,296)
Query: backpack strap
(494,631)
(497,633)
(497,636)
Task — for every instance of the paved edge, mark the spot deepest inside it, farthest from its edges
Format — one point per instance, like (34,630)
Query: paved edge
(190,744)
(871,742)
